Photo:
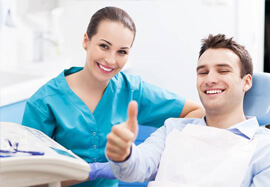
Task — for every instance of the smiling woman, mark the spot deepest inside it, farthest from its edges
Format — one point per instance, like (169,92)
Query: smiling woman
(107,53)
(79,107)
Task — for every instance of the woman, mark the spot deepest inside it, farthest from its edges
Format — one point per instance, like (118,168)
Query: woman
(78,108)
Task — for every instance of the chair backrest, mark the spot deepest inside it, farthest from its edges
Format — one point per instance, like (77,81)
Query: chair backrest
(257,99)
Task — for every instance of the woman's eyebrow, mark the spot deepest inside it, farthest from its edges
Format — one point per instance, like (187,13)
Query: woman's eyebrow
(109,43)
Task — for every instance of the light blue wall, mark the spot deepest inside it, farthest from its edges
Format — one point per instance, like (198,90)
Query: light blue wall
(12,112)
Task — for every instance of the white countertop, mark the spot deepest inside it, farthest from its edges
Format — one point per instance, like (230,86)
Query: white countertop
(17,86)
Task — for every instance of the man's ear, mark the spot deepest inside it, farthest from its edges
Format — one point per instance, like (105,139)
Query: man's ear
(247,82)
(85,41)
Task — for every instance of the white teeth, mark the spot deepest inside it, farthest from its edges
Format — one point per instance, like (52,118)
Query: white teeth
(105,69)
(213,91)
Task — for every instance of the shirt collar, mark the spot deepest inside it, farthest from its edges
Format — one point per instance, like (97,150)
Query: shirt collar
(245,128)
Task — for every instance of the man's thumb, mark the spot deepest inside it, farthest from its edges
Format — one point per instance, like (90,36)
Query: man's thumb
(132,123)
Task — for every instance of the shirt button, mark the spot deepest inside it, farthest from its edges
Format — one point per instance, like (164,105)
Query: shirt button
(95,159)
(94,133)
(94,146)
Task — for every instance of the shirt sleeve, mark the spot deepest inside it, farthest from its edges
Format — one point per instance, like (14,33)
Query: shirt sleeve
(262,178)
(36,118)
(142,165)
(157,104)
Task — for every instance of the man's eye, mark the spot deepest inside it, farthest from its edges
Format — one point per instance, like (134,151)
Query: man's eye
(104,46)
(224,71)
(202,73)
(123,52)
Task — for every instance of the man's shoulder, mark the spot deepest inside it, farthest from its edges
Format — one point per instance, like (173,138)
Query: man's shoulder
(262,136)
(185,121)
(180,123)
(263,132)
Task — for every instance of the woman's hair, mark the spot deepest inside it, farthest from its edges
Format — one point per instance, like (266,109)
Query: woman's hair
(110,14)
(220,41)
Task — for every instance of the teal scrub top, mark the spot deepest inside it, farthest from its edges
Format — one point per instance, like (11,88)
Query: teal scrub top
(58,112)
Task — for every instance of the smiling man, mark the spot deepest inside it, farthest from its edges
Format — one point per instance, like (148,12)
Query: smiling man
(224,148)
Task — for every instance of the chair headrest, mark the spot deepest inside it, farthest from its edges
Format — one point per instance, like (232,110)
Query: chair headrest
(257,99)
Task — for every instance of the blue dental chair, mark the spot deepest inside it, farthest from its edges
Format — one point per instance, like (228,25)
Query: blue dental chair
(256,103)
(257,99)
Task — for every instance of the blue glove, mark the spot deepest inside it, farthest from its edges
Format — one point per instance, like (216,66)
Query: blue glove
(100,170)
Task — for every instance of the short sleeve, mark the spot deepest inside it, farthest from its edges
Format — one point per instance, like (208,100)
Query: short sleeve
(157,104)
(36,118)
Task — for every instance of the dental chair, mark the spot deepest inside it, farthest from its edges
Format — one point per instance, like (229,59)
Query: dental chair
(256,103)
(257,99)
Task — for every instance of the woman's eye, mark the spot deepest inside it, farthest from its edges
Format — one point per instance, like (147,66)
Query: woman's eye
(122,52)
(104,46)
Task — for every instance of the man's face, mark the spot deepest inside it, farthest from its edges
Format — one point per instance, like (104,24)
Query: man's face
(218,81)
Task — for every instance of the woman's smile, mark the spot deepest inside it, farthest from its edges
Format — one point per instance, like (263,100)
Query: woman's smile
(104,69)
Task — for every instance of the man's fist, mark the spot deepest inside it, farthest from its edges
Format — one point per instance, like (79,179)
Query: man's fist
(121,137)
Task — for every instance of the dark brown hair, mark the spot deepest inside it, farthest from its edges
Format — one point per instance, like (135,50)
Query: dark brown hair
(110,14)
(220,41)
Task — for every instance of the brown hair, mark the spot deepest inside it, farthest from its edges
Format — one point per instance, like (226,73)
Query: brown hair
(110,14)
(220,41)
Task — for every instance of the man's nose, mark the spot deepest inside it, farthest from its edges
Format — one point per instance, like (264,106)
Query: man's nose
(211,78)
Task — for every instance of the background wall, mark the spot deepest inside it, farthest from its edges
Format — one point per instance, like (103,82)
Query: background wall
(168,36)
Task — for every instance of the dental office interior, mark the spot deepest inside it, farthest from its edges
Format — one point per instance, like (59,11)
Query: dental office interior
(41,38)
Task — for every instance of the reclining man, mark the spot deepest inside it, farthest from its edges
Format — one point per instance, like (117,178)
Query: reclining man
(224,148)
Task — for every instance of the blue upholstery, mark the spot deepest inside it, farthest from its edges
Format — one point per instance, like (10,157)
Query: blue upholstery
(257,99)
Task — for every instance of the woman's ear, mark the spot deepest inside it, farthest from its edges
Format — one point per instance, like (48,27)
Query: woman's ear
(247,82)
(85,41)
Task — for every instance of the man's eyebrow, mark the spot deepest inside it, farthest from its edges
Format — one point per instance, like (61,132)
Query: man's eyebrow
(200,67)
(111,44)
(224,65)
(218,65)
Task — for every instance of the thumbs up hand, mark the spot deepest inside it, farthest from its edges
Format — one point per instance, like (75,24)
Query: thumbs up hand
(121,137)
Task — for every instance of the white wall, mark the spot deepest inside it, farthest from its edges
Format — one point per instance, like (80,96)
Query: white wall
(168,34)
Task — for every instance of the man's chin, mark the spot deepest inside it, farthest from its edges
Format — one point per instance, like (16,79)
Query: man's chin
(213,109)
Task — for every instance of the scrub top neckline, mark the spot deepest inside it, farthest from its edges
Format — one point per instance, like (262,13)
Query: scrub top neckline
(76,100)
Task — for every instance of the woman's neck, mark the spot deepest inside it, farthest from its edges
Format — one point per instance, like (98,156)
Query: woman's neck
(90,82)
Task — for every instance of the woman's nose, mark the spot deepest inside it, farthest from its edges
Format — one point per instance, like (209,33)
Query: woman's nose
(110,58)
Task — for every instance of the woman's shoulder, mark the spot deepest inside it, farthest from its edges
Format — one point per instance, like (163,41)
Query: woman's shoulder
(50,88)
(127,81)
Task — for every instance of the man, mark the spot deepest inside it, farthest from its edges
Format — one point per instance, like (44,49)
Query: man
(224,148)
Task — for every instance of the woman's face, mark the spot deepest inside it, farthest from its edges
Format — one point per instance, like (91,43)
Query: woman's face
(108,50)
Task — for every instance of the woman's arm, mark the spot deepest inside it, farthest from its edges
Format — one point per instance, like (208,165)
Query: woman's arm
(192,109)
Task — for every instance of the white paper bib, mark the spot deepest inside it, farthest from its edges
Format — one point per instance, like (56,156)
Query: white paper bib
(201,156)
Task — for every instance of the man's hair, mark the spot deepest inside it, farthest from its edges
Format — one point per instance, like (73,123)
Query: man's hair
(220,41)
